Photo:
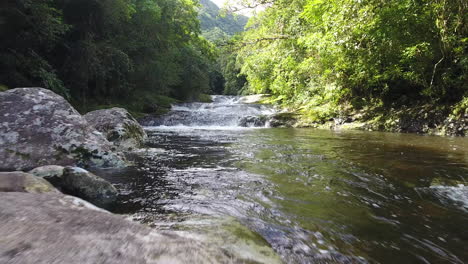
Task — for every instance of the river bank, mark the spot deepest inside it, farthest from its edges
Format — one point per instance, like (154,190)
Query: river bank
(442,120)
(425,119)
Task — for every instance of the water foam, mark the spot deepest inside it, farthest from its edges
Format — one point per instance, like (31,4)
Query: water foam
(456,194)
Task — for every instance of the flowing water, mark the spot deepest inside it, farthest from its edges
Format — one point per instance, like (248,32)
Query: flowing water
(300,195)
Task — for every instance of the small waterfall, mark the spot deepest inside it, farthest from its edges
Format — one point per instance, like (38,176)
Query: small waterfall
(224,111)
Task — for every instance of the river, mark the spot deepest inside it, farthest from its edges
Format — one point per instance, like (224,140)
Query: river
(269,195)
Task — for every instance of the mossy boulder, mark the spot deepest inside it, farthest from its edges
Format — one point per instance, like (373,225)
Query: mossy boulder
(285,119)
(92,188)
(119,127)
(39,127)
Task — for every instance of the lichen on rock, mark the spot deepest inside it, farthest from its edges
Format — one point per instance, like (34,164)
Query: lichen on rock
(119,127)
(39,127)
(53,228)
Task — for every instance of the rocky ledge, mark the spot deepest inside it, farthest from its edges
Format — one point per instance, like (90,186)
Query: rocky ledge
(420,120)
(53,228)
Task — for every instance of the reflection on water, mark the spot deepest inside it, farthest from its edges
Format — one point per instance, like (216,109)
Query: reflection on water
(312,196)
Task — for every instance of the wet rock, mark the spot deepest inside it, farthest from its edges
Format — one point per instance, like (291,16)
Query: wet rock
(283,120)
(47,228)
(119,127)
(84,184)
(78,182)
(51,173)
(48,172)
(456,127)
(23,182)
(39,127)
(253,121)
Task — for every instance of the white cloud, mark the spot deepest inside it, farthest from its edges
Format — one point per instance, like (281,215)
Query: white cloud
(219,3)
(245,12)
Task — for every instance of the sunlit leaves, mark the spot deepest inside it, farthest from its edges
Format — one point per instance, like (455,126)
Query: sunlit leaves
(364,49)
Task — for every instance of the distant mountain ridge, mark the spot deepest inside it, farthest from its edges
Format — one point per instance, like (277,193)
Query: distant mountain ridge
(214,26)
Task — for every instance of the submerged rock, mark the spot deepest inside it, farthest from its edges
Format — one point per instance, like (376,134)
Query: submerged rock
(50,228)
(39,127)
(23,182)
(118,126)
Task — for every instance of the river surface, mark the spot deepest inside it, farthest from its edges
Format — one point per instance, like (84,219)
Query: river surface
(269,195)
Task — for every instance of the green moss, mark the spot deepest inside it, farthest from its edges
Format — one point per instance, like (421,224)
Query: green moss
(133,131)
(3,88)
(461,108)
(205,98)
(83,154)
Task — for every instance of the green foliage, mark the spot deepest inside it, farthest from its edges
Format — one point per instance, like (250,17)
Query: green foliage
(102,51)
(216,25)
(221,28)
(321,56)
(30,31)
(461,109)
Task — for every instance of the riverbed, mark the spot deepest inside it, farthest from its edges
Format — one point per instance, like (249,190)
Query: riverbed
(289,195)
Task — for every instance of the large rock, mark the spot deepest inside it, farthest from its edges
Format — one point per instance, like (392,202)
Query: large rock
(39,127)
(23,182)
(253,121)
(49,172)
(118,126)
(80,183)
(49,228)
(282,120)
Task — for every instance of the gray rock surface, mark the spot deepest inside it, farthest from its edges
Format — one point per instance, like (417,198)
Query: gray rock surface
(78,182)
(23,182)
(84,184)
(48,172)
(52,229)
(39,127)
(118,126)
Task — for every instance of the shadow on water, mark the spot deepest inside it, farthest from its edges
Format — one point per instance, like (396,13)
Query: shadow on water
(312,196)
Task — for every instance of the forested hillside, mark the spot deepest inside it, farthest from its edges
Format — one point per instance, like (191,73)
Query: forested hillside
(216,25)
(324,57)
(320,58)
(105,51)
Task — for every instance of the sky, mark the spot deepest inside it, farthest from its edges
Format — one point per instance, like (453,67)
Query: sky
(244,12)
(220,3)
